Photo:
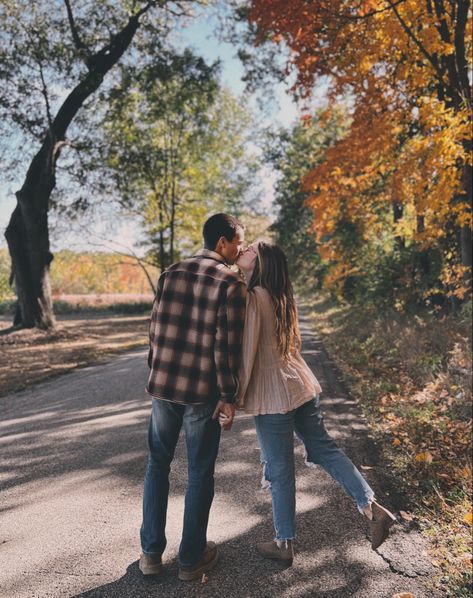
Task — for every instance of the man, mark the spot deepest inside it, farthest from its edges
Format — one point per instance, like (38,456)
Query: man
(195,342)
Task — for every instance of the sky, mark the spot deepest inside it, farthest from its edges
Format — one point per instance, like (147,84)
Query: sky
(201,35)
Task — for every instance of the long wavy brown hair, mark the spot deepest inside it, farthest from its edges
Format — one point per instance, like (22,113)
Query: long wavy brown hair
(271,273)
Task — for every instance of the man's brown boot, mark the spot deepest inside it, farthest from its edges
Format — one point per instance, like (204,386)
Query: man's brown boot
(207,561)
(380,524)
(150,564)
(271,550)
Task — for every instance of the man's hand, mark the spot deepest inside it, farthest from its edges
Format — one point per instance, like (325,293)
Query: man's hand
(225,413)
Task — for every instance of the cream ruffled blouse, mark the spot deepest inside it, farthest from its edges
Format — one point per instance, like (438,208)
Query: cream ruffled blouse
(268,383)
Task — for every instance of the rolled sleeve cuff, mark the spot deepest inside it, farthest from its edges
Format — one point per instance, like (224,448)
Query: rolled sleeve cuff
(230,397)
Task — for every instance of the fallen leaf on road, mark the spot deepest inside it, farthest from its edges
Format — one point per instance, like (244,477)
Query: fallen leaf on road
(406,516)
(424,457)
(205,578)
(396,442)
(404,595)
(468,518)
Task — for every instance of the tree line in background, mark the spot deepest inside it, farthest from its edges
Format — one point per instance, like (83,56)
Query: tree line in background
(389,197)
(80,273)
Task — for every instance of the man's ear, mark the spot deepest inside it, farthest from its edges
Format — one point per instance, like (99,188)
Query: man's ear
(220,244)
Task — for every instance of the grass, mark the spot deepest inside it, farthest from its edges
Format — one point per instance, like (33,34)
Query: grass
(411,373)
(92,304)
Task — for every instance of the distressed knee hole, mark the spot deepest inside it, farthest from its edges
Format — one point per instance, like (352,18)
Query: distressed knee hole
(265,480)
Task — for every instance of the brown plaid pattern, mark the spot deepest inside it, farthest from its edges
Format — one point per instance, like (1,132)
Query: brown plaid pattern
(196,331)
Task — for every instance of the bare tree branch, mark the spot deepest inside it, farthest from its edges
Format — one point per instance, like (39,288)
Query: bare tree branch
(75,34)
(131,254)
(371,13)
(44,91)
(431,59)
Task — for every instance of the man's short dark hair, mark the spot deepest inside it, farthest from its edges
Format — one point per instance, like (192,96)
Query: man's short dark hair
(220,225)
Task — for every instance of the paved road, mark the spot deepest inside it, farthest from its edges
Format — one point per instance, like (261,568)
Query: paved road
(73,454)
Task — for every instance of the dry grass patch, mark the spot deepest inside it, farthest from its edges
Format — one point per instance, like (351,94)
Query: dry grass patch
(28,356)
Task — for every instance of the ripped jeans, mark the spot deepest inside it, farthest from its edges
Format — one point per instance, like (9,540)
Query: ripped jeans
(276,439)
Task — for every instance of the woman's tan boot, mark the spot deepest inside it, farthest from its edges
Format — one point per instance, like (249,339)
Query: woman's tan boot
(281,551)
(380,524)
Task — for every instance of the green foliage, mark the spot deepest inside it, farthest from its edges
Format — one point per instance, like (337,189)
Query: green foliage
(52,55)
(292,153)
(177,150)
(6,292)
(403,278)
(7,307)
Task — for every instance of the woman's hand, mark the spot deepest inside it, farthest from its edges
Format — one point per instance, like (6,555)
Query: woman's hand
(225,422)
(225,413)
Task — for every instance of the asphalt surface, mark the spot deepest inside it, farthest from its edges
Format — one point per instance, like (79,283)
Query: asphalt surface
(73,455)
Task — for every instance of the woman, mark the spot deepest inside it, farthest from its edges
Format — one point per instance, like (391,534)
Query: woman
(279,389)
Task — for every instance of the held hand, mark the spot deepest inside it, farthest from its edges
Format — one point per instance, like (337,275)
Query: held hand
(225,413)
(224,422)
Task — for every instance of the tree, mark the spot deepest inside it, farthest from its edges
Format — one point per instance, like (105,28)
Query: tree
(177,149)
(55,56)
(404,65)
(292,152)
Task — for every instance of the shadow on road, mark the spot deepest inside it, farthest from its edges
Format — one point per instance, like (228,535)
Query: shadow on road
(77,433)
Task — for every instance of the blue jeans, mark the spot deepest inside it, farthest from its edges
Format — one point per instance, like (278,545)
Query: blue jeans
(202,442)
(276,438)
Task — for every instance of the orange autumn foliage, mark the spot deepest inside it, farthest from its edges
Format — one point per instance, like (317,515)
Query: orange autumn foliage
(403,64)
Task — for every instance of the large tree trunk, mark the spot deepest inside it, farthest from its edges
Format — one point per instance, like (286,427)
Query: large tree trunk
(28,242)
(27,232)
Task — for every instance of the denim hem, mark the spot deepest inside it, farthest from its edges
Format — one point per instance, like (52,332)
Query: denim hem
(370,500)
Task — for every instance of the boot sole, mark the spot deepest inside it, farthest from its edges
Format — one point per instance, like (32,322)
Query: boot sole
(153,570)
(197,573)
(275,557)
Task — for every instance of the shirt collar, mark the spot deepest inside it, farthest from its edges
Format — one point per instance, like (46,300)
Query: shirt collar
(208,253)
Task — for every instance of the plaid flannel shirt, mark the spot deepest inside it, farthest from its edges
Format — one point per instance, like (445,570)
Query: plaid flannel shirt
(196,331)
